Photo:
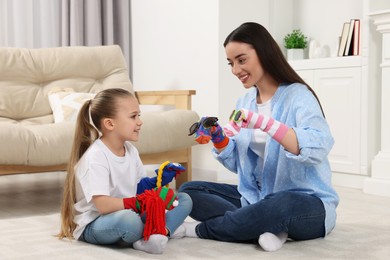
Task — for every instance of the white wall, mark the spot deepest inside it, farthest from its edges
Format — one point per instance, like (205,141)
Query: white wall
(179,45)
(378,5)
(175,46)
(230,88)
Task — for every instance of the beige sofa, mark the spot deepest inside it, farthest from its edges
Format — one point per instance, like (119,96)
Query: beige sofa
(31,140)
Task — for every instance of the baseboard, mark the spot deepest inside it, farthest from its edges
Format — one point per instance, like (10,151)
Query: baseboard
(377,187)
(199,174)
(348,180)
(338,179)
(223,176)
(227,177)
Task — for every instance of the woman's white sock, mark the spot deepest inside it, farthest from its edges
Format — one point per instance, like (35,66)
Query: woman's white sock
(190,228)
(180,232)
(271,242)
(154,245)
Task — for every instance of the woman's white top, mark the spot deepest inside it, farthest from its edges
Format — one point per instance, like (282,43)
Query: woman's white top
(257,143)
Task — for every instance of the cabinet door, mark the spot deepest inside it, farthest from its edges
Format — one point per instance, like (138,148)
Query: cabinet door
(308,77)
(339,91)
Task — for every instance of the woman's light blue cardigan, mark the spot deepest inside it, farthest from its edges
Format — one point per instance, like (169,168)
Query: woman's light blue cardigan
(309,172)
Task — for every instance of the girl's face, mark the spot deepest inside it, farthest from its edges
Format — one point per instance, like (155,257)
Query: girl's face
(244,63)
(127,122)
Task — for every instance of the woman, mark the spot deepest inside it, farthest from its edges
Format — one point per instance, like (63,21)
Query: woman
(278,145)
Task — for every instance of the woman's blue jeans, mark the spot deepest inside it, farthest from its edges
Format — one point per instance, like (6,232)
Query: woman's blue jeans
(223,218)
(127,226)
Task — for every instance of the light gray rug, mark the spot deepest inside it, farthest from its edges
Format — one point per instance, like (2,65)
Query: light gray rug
(362,232)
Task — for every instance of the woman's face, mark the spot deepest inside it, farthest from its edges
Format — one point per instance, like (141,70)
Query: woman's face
(244,63)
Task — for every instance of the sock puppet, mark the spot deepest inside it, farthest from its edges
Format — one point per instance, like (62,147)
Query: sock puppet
(208,129)
(152,203)
(165,174)
(244,118)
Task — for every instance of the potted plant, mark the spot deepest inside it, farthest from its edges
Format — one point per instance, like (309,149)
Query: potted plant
(295,42)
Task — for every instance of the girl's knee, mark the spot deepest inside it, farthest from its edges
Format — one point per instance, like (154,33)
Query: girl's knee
(185,200)
(123,224)
(184,197)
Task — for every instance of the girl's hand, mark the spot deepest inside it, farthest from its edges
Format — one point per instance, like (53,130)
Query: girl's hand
(170,171)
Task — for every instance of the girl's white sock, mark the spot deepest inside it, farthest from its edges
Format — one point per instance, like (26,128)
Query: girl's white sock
(271,242)
(154,245)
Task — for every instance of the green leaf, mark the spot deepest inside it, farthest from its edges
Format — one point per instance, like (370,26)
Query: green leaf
(295,40)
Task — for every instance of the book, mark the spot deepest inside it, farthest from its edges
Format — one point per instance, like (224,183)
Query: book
(343,38)
(356,38)
(348,50)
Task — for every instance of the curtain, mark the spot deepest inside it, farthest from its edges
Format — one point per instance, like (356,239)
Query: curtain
(52,23)
(96,22)
(30,24)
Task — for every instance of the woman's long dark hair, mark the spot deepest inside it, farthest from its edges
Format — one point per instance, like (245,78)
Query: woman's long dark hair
(270,56)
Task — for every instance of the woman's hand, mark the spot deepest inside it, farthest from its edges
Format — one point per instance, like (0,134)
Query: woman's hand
(284,135)
(208,129)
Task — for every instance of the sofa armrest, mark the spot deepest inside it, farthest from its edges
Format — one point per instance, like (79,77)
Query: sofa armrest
(180,99)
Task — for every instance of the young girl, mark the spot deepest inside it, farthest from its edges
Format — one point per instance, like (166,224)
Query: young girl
(278,146)
(105,174)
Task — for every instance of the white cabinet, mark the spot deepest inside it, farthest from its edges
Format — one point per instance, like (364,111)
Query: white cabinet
(339,90)
(348,87)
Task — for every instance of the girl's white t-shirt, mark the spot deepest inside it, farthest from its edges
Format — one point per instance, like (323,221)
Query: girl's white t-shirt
(101,172)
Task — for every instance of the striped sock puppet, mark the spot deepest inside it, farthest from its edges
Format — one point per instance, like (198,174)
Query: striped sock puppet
(244,118)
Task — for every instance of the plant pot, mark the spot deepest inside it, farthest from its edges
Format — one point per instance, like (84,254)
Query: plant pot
(295,54)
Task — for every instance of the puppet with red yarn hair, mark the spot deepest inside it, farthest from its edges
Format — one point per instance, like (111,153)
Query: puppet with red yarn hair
(153,203)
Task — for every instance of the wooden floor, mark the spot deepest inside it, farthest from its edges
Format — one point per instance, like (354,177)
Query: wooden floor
(24,195)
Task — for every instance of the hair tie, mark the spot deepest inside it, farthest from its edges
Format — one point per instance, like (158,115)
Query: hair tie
(89,112)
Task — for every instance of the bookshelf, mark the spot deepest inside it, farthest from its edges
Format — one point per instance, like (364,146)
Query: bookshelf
(331,62)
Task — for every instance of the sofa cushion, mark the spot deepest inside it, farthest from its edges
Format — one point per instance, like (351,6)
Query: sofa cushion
(66,103)
(28,75)
(35,144)
(49,144)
